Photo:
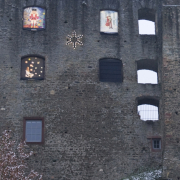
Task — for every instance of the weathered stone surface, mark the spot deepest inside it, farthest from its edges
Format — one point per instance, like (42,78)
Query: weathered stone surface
(92,129)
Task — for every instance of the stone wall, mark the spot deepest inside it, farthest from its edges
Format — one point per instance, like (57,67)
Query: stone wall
(92,129)
(171,79)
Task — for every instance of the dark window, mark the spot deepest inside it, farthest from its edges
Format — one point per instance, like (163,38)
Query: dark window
(156,144)
(110,70)
(34,18)
(33,130)
(32,67)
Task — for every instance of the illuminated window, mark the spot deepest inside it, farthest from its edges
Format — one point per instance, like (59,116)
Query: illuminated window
(33,130)
(146,21)
(148,109)
(32,67)
(109,21)
(147,71)
(110,70)
(34,18)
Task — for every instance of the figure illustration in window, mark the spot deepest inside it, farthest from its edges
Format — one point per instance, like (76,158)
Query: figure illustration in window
(28,74)
(34,18)
(109,22)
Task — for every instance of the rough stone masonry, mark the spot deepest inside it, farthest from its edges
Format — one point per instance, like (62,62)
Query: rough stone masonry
(92,130)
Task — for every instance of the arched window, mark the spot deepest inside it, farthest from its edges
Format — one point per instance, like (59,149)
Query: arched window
(146,21)
(110,70)
(34,18)
(32,67)
(148,109)
(147,71)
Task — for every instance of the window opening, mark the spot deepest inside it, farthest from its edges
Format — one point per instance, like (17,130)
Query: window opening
(156,143)
(110,70)
(109,21)
(146,21)
(146,27)
(32,67)
(147,71)
(34,18)
(147,76)
(148,112)
(33,130)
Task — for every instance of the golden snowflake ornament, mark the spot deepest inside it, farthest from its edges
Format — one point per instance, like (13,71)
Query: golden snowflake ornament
(74,39)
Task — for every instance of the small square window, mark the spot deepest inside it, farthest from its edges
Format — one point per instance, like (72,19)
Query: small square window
(110,70)
(34,18)
(156,143)
(32,67)
(33,130)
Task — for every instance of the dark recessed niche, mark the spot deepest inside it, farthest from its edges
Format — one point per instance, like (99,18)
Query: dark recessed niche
(110,70)
(65,22)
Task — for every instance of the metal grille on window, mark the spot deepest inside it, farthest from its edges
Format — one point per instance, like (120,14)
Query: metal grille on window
(110,70)
(148,112)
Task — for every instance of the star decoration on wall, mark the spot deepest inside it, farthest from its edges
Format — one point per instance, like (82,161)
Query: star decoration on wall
(74,39)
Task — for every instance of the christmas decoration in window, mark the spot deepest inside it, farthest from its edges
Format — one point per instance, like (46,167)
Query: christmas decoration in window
(32,68)
(109,22)
(74,39)
(34,18)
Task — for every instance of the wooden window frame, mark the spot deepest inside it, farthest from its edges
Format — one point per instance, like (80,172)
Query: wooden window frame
(152,138)
(24,128)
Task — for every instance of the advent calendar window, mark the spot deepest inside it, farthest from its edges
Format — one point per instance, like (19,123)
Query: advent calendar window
(34,18)
(32,67)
